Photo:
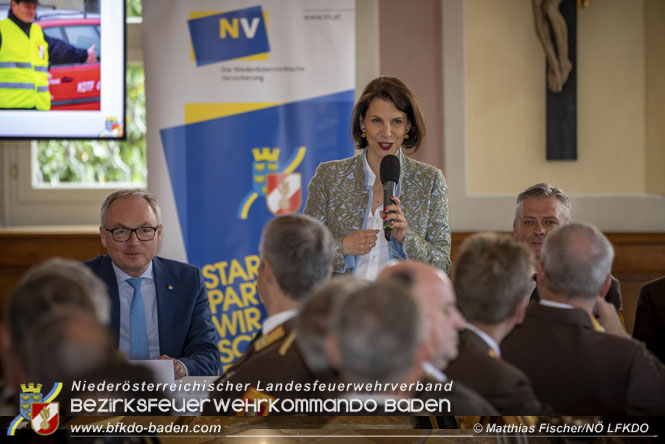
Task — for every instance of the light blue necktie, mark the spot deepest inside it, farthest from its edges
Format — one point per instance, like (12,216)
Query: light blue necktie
(138,332)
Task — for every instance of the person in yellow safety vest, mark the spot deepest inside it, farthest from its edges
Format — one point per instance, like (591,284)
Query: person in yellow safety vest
(25,53)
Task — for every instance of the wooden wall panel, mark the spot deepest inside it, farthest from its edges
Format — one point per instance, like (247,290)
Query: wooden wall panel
(639,258)
(23,248)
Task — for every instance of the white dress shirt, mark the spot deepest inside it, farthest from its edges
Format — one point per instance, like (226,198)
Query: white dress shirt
(274,321)
(548,303)
(369,265)
(434,372)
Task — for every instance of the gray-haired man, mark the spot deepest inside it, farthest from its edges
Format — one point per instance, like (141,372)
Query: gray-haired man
(159,307)
(577,364)
(540,209)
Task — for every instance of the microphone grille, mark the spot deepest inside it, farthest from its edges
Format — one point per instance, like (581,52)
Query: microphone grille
(390,169)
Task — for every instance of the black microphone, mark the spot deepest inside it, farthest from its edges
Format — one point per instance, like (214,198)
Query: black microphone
(389,178)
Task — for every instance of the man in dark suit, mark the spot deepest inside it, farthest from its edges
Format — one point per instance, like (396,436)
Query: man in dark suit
(296,255)
(577,364)
(159,307)
(650,317)
(377,340)
(435,296)
(492,283)
(541,208)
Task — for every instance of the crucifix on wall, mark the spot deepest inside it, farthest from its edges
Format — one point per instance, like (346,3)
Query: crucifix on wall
(556,27)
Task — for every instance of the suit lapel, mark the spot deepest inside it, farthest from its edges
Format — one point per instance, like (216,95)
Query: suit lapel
(408,201)
(108,275)
(360,195)
(165,293)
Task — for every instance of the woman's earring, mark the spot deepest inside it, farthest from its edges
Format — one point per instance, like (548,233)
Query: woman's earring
(363,134)
(406,135)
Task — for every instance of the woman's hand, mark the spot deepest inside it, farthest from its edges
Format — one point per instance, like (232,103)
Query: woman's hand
(396,219)
(359,243)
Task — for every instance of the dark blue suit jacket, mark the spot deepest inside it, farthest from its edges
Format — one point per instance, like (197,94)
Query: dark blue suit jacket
(183,312)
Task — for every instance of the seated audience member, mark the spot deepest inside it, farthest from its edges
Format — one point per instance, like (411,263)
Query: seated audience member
(541,208)
(435,296)
(314,323)
(492,278)
(54,285)
(159,307)
(114,372)
(650,317)
(66,345)
(71,345)
(296,256)
(378,338)
(78,272)
(577,364)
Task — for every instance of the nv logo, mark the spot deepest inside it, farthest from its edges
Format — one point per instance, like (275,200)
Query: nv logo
(230,28)
(281,187)
(42,413)
(229,35)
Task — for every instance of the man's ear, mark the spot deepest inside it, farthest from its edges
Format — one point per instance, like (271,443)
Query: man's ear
(265,269)
(102,235)
(606,286)
(515,229)
(520,309)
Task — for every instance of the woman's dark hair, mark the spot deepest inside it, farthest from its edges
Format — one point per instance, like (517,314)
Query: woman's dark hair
(393,89)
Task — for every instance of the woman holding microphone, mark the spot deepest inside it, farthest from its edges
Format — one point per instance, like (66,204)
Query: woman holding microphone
(347,195)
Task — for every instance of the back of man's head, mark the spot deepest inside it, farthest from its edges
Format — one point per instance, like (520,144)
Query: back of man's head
(492,275)
(435,295)
(65,345)
(101,381)
(576,260)
(76,271)
(300,252)
(315,318)
(379,333)
(46,289)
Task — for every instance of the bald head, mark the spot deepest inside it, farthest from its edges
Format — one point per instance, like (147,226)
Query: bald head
(434,294)
(577,261)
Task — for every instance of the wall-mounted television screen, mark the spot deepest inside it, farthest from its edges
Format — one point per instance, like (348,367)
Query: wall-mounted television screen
(64,79)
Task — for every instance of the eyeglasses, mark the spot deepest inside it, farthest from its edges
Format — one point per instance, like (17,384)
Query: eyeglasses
(124,234)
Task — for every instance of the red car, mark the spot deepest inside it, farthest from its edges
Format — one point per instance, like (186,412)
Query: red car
(74,86)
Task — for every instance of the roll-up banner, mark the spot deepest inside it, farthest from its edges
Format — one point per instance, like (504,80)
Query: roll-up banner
(244,100)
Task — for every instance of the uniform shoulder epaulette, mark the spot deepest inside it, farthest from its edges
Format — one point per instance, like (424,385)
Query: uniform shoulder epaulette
(269,339)
(287,343)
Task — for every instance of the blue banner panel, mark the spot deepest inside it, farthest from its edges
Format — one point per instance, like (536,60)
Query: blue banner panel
(229,35)
(219,172)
